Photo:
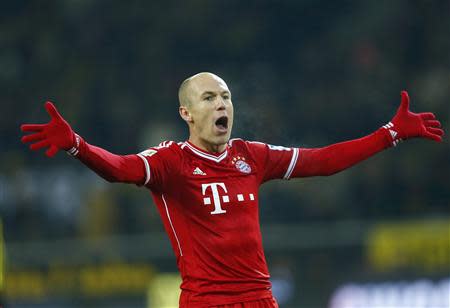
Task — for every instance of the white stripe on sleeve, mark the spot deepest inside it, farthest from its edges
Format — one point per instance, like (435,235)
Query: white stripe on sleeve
(147,169)
(292,164)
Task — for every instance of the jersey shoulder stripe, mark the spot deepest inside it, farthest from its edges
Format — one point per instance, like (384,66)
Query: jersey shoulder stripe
(237,140)
(166,150)
(147,168)
(292,164)
(166,144)
(162,147)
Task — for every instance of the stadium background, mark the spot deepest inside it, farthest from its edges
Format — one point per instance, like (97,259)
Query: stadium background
(304,73)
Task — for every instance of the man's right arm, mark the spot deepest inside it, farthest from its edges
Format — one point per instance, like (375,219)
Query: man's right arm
(58,135)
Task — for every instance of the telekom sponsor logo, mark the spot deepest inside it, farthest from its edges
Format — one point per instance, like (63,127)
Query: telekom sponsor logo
(219,196)
(216,198)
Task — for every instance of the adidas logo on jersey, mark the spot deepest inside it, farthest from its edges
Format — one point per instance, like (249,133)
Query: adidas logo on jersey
(389,127)
(197,171)
(393,133)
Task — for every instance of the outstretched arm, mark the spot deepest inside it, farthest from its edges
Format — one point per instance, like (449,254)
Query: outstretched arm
(58,135)
(337,157)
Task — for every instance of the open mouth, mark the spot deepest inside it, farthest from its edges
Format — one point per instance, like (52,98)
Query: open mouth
(222,123)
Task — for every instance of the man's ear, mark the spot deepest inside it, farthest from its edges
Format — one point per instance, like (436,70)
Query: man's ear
(184,113)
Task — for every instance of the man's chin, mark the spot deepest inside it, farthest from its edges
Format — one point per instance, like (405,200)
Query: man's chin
(221,139)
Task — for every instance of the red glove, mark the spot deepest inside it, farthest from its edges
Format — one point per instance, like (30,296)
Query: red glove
(56,134)
(407,124)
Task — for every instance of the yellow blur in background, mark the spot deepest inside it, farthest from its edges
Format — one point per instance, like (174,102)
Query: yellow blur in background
(420,245)
(164,291)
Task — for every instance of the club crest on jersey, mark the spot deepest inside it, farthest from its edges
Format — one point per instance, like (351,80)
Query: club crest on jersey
(241,164)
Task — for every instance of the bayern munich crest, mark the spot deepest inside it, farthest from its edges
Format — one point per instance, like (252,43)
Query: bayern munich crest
(242,165)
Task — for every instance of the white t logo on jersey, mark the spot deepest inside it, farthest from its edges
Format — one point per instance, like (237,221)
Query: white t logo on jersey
(216,198)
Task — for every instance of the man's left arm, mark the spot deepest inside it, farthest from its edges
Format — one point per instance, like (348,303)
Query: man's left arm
(340,156)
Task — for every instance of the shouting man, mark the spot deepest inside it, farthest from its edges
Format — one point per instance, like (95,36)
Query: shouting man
(206,188)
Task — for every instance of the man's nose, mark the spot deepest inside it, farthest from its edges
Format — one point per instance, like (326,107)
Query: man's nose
(220,104)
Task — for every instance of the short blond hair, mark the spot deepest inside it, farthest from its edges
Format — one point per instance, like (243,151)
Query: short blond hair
(183,96)
(183,91)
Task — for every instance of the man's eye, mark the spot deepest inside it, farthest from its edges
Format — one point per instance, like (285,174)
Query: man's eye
(226,97)
(209,98)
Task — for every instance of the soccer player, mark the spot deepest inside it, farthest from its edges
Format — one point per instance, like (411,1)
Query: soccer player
(206,188)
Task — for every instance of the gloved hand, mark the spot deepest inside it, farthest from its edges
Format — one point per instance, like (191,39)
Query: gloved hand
(407,124)
(56,134)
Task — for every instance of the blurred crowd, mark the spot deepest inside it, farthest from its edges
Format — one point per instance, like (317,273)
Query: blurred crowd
(302,73)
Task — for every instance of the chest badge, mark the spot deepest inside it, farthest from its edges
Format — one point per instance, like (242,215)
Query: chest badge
(241,164)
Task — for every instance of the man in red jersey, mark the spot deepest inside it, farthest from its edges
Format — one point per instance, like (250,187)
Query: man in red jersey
(206,188)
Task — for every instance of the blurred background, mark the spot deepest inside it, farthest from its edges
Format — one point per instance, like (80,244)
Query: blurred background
(303,73)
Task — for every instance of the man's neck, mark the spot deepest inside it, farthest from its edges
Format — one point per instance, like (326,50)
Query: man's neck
(208,147)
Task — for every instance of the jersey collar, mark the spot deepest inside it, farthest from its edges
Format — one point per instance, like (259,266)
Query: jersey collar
(211,156)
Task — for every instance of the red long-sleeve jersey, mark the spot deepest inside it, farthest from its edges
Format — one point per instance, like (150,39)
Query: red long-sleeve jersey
(209,204)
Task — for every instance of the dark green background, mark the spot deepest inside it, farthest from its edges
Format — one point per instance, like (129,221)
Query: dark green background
(303,73)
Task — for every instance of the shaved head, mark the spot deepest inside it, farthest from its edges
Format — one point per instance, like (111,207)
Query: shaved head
(205,105)
(188,85)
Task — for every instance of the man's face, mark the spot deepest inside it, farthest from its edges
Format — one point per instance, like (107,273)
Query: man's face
(211,110)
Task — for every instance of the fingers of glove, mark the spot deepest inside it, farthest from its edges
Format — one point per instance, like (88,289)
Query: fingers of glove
(436,131)
(432,136)
(32,127)
(52,111)
(427,116)
(51,151)
(432,123)
(33,137)
(39,145)
(404,105)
